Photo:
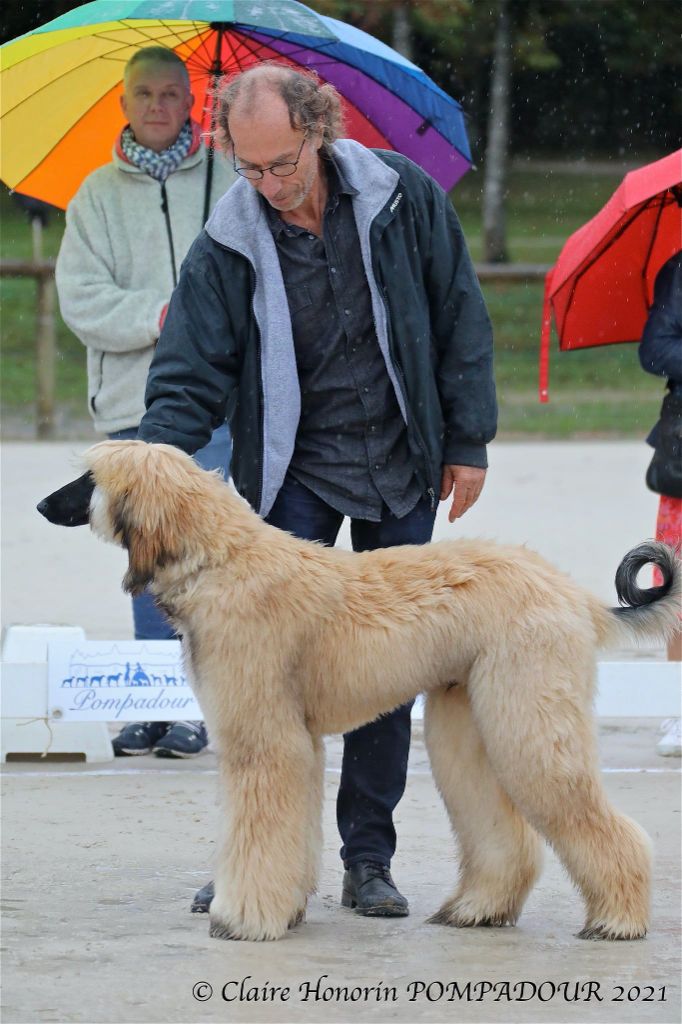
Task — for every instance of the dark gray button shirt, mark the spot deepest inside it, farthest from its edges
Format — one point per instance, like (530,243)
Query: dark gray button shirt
(351,445)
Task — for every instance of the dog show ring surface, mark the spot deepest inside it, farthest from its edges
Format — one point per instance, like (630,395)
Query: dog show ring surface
(116,852)
(287,641)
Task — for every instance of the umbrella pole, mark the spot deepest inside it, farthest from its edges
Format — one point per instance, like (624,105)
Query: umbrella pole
(545,340)
(216,72)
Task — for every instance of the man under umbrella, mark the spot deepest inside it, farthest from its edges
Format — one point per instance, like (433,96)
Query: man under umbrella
(128,229)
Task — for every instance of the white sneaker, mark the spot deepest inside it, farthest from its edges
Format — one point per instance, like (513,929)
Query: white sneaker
(670,744)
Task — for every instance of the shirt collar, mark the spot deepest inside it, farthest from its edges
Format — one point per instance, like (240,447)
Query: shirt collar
(341,182)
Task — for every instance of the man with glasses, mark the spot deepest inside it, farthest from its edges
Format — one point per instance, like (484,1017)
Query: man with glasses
(331,307)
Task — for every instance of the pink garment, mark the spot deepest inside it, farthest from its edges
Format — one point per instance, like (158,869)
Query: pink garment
(668,527)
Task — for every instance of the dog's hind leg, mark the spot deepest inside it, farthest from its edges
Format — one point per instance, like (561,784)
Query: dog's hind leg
(533,708)
(314,828)
(500,854)
(262,874)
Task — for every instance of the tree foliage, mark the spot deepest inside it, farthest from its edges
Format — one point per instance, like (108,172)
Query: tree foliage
(588,77)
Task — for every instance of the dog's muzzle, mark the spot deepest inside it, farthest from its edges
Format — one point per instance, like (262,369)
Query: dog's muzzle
(70,505)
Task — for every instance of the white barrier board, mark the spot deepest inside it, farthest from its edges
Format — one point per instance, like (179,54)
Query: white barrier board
(127,681)
(136,680)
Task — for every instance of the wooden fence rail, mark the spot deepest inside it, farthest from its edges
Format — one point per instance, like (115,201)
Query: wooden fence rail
(501,272)
(42,272)
(46,336)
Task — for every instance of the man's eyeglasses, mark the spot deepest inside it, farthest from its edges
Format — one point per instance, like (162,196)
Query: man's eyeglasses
(279,170)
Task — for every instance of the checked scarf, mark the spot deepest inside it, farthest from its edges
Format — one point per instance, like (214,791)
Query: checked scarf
(157,165)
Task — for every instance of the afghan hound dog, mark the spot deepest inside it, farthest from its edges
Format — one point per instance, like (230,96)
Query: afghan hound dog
(287,640)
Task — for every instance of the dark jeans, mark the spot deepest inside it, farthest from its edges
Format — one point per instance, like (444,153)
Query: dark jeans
(375,756)
(149,621)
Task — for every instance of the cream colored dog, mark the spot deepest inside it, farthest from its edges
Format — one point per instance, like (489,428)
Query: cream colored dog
(286,640)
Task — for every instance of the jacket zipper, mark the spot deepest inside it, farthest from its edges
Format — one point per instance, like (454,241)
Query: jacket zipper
(261,444)
(99,386)
(261,439)
(261,395)
(169,231)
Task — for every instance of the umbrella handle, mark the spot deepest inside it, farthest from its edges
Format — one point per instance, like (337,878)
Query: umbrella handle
(545,339)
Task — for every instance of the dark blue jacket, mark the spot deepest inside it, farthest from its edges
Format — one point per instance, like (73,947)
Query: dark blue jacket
(660,350)
(226,348)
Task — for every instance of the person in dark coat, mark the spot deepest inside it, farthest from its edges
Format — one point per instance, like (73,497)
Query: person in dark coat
(331,311)
(660,352)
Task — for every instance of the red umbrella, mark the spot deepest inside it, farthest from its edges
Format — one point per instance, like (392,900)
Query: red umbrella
(602,284)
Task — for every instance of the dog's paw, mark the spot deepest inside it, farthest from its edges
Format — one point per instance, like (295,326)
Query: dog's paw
(254,930)
(298,917)
(219,930)
(612,933)
(456,915)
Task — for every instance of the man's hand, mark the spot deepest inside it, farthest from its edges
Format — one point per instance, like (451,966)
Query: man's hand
(466,482)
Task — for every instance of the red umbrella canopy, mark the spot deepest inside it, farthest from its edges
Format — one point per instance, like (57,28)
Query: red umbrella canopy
(601,286)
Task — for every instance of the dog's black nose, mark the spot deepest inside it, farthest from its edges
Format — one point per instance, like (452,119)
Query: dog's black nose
(70,505)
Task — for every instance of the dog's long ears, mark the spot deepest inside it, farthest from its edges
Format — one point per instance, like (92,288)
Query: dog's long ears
(149,546)
(148,498)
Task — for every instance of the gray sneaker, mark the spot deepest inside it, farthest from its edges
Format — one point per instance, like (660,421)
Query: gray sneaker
(138,738)
(183,739)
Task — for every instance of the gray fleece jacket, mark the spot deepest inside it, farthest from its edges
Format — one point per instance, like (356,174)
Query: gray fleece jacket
(115,276)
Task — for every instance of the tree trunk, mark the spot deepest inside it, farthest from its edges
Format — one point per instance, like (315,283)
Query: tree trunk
(496,154)
(402,30)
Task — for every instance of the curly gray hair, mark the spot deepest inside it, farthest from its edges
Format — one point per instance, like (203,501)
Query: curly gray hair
(312,105)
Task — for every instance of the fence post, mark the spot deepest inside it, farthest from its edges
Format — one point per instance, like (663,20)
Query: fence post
(45,356)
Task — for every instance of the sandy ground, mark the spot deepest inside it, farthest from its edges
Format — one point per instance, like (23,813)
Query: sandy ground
(100,862)
(100,866)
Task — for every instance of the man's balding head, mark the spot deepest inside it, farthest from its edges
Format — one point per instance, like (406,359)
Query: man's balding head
(313,107)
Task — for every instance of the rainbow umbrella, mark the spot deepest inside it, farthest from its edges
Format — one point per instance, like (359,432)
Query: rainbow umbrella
(61,83)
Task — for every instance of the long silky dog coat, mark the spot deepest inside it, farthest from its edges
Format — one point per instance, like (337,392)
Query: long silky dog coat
(287,640)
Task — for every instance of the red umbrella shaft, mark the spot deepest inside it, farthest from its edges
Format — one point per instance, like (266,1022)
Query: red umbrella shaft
(545,339)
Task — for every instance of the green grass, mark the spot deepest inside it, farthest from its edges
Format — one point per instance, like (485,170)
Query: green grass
(599,391)
(18,323)
(543,209)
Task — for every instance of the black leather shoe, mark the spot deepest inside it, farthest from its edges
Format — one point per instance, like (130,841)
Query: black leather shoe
(201,904)
(369,889)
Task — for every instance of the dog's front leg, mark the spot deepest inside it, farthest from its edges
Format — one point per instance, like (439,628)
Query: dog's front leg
(263,874)
(314,827)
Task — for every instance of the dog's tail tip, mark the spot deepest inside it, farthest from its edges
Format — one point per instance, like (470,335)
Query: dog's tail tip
(654,552)
(651,613)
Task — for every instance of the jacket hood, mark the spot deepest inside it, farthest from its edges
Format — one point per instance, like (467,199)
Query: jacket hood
(237,213)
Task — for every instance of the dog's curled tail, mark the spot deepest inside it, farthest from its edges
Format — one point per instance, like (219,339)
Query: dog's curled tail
(654,613)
